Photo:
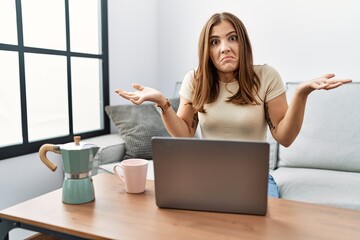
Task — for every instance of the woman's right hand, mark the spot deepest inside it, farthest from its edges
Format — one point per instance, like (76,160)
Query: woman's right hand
(142,94)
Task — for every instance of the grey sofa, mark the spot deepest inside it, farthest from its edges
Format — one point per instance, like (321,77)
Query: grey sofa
(322,166)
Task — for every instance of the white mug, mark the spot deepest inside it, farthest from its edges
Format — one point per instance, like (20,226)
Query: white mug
(134,174)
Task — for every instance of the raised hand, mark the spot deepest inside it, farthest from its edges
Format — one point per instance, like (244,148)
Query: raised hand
(141,94)
(326,82)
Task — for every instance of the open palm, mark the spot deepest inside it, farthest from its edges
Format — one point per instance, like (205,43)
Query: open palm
(141,94)
(327,82)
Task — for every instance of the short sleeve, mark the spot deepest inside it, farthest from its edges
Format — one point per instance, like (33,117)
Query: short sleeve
(187,86)
(274,83)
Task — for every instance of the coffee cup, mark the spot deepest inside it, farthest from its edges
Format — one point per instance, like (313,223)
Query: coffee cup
(134,173)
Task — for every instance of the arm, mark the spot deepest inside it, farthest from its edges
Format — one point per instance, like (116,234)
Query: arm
(182,124)
(285,121)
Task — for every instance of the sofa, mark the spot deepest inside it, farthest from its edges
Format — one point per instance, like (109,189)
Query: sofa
(322,166)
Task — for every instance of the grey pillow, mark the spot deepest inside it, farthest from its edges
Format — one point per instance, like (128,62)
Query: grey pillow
(137,124)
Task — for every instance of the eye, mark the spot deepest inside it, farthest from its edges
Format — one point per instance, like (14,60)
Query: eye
(214,42)
(233,38)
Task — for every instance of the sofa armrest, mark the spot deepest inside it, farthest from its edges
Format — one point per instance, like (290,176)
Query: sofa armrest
(112,148)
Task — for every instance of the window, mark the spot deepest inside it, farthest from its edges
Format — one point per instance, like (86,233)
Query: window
(53,72)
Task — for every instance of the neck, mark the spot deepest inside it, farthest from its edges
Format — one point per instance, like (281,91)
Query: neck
(226,77)
(227,80)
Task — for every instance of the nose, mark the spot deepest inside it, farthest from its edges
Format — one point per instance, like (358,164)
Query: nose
(224,47)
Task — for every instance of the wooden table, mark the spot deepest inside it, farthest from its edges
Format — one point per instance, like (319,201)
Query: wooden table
(118,215)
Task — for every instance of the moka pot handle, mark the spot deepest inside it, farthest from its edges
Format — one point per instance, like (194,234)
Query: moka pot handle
(42,154)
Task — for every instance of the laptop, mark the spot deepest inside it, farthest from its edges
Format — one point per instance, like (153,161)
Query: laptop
(211,175)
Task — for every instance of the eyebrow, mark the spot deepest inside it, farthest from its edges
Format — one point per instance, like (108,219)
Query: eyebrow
(229,33)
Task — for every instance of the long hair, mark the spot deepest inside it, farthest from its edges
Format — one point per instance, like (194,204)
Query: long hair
(206,82)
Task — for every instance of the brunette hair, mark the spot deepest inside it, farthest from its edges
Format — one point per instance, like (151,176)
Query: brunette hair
(206,82)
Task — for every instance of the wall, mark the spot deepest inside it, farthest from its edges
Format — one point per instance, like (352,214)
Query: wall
(157,44)
(21,176)
(26,177)
(302,39)
(133,44)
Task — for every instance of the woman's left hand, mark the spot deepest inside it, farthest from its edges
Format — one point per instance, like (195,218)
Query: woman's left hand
(326,82)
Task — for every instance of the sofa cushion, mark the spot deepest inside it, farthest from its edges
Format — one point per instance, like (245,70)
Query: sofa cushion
(329,138)
(274,146)
(137,124)
(335,188)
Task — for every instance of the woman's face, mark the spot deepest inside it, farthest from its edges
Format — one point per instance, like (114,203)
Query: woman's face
(224,49)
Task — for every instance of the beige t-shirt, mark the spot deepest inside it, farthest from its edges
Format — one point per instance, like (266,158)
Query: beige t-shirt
(225,120)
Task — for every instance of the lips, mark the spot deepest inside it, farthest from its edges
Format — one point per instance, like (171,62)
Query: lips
(226,58)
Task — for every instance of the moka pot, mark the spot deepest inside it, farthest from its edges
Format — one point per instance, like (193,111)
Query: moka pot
(78,161)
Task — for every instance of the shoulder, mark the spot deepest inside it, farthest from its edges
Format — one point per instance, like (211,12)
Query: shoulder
(187,86)
(190,75)
(272,84)
(266,71)
(188,80)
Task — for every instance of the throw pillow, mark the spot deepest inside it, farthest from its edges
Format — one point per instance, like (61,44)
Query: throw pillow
(137,124)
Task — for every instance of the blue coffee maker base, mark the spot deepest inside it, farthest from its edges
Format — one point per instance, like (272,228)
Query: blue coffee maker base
(78,191)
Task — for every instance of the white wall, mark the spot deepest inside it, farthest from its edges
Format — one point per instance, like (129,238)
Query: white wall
(133,48)
(302,39)
(26,177)
(156,44)
(21,178)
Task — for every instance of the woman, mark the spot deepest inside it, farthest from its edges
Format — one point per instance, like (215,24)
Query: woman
(229,96)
